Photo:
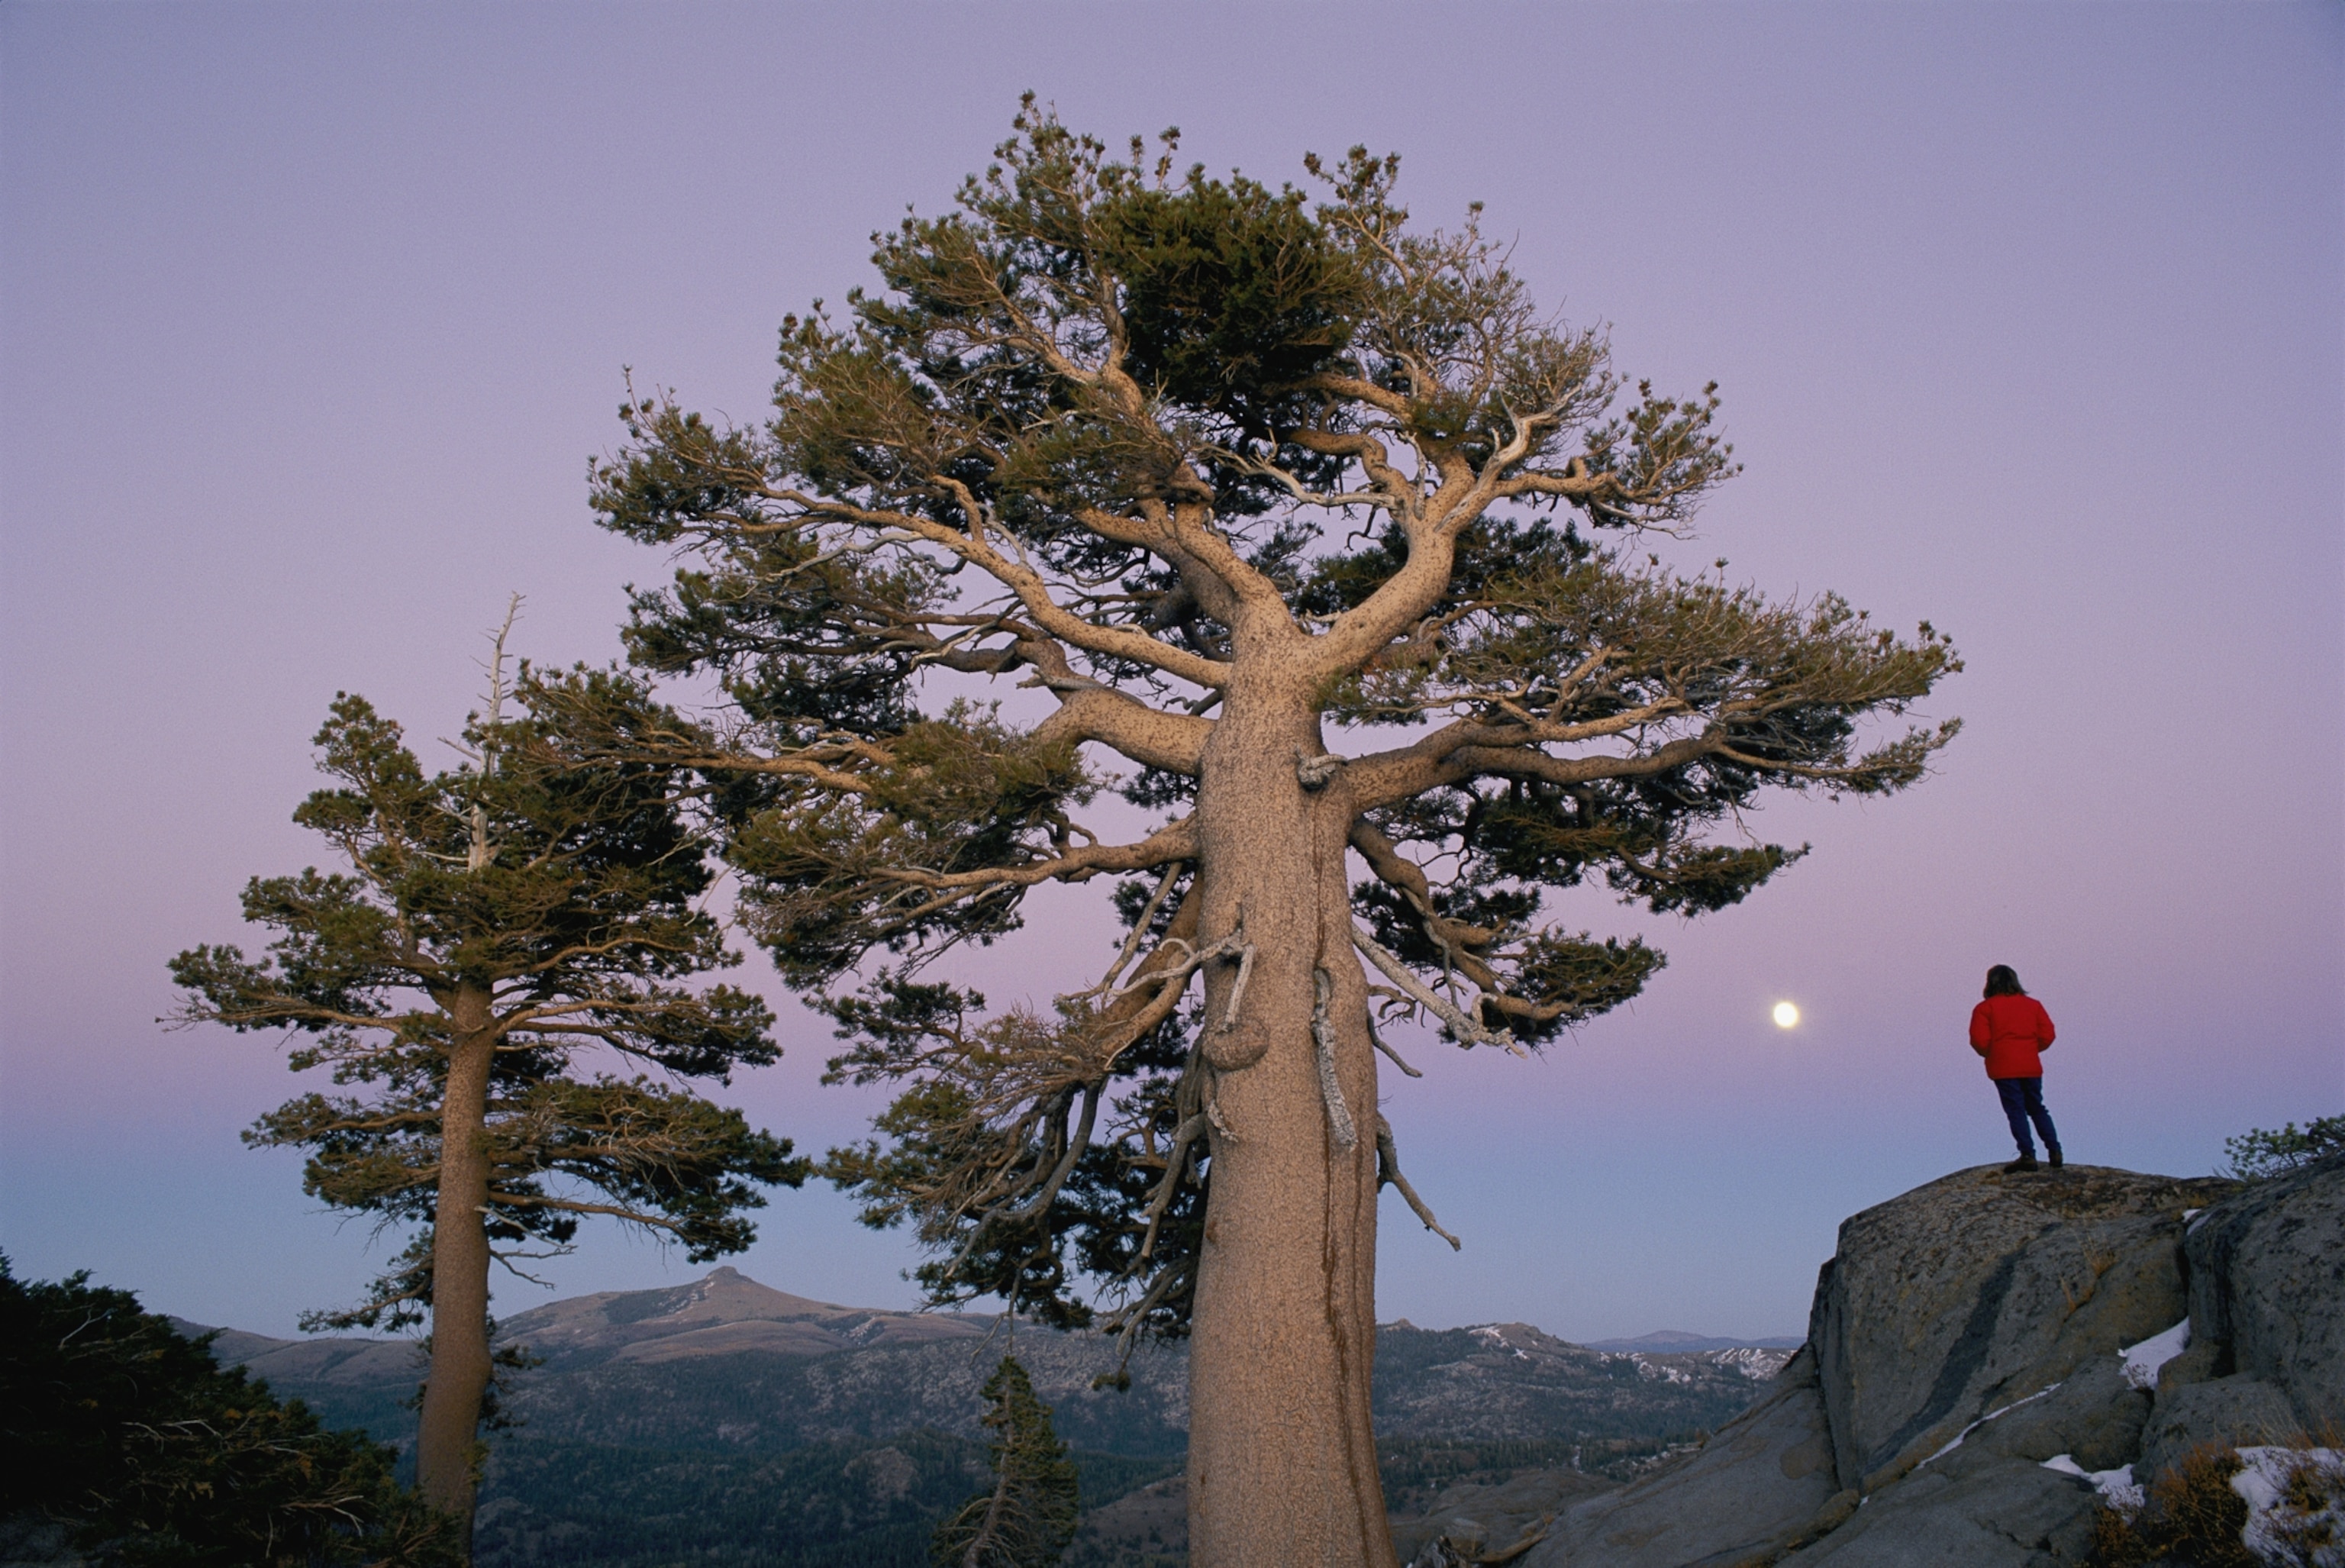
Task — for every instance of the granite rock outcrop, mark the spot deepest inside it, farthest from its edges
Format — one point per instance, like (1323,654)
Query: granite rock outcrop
(2268,1289)
(1985,1354)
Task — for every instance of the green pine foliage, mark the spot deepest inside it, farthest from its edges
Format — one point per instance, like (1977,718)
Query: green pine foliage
(1085,427)
(497,937)
(570,896)
(1026,1518)
(127,1433)
(2262,1152)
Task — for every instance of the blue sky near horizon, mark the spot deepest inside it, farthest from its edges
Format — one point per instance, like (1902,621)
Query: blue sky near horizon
(2030,320)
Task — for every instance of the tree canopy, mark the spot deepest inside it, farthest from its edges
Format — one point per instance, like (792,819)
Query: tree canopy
(1094,422)
(1335,566)
(569,897)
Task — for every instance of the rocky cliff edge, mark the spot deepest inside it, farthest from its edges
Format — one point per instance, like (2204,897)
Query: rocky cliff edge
(1985,1354)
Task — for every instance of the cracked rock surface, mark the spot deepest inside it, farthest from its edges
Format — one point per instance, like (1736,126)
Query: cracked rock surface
(2268,1286)
(1962,1335)
(1966,1296)
(1757,1481)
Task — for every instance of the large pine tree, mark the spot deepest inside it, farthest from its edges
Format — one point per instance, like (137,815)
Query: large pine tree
(1330,552)
(498,929)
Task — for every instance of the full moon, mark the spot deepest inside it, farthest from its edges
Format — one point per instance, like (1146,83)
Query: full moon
(1786,1015)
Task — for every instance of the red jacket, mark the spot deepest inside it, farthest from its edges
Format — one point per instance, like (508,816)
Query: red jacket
(2008,1031)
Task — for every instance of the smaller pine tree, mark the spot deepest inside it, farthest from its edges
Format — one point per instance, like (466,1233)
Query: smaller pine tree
(1027,1518)
(502,934)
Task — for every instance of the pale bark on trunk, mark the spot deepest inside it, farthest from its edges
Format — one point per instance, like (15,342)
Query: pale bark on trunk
(1281,1453)
(446,1472)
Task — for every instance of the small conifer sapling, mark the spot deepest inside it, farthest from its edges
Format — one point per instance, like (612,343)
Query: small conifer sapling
(1026,1518)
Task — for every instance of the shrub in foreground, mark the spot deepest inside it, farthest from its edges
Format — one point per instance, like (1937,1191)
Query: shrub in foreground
(2261,1152)
(126,1434)
(2199,1513)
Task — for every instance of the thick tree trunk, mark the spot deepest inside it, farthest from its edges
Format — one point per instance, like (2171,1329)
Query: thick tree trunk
(1281,1454)
(445,1468)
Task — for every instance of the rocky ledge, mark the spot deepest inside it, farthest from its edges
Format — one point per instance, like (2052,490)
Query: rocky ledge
(1985,1355)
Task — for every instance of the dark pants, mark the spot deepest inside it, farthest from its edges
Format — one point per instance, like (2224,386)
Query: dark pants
(2023,1101)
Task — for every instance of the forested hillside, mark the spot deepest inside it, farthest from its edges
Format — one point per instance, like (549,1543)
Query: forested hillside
(726,1423)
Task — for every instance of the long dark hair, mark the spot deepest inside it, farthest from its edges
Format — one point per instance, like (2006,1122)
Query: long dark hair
(2004,981)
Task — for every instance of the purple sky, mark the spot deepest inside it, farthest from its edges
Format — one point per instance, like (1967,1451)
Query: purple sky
(2028,322)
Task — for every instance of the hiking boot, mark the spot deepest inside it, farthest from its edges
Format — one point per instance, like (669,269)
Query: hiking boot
(2056,1161)
(2024,1162)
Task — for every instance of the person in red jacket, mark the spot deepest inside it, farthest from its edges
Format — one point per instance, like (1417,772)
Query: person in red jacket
(2012,1030)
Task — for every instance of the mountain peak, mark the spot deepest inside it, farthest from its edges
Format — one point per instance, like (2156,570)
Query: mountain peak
(722,1313)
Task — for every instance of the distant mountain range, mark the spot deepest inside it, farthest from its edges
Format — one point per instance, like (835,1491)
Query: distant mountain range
(1676,1342)
(730,1422)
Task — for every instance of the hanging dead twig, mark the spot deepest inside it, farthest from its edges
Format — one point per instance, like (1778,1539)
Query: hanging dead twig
(1388,1174)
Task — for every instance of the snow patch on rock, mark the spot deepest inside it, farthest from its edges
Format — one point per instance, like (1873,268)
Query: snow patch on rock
(2117,1487)
(2296,1505)
(2143,1361)
(1991,1415)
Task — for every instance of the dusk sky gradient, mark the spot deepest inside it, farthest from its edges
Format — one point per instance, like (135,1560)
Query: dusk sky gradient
(2029,321)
